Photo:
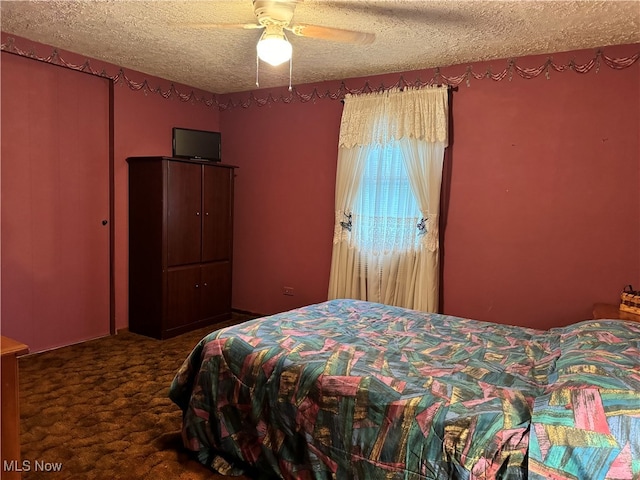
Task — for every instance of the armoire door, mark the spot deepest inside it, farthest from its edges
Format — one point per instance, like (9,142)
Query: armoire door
(215,291)
(183,296)
(55,202)
(217,227)
(184,205)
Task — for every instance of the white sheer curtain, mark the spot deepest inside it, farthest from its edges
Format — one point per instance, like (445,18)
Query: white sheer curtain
(390,157)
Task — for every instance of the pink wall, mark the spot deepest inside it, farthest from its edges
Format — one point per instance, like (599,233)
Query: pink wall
(542,193)
(284,201)
(542,204)
(142,126)
(543,186)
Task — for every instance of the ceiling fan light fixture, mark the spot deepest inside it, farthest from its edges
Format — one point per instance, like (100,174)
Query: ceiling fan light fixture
(274,48)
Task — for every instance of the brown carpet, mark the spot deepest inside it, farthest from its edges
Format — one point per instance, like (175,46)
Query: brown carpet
(100,410)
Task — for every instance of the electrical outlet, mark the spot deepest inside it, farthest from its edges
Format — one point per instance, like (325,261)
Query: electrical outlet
(287,291)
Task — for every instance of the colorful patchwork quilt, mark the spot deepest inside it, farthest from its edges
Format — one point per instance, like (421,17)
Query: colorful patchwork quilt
(586,424)
(348,389)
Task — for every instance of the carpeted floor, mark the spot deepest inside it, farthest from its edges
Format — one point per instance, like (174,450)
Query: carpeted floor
(99,410)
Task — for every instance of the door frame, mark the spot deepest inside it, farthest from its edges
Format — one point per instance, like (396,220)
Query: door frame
(112,209)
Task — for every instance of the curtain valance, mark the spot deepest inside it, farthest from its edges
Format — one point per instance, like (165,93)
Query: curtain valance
(376,118)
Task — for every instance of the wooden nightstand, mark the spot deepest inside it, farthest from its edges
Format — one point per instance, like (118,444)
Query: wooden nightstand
(10,405)
(607,310)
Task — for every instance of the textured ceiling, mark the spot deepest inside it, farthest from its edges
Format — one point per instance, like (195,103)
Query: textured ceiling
(154,36)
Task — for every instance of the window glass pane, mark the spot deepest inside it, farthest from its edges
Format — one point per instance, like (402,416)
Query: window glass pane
(386,212)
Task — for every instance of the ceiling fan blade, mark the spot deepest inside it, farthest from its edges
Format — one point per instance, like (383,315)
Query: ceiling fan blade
(226,26)
(335,34)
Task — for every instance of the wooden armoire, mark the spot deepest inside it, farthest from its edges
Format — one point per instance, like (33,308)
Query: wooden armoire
(180,244)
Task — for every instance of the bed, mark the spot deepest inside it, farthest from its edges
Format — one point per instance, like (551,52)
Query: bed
(348,389)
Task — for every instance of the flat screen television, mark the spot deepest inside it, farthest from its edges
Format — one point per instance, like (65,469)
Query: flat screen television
(197,144)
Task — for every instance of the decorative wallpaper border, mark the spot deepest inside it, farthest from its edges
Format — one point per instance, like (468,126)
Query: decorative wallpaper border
(438,78)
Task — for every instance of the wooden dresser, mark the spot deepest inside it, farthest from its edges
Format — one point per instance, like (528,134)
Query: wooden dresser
(10,439)
(608,310)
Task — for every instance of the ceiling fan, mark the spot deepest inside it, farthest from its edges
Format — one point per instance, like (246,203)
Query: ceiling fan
(275,16)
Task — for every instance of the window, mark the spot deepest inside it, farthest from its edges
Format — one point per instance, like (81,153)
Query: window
(385,237)
(385,213)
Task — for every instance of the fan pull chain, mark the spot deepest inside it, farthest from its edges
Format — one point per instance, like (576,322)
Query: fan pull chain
(257,70)
(290,70)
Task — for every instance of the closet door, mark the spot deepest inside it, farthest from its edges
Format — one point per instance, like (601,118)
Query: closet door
(55,199)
